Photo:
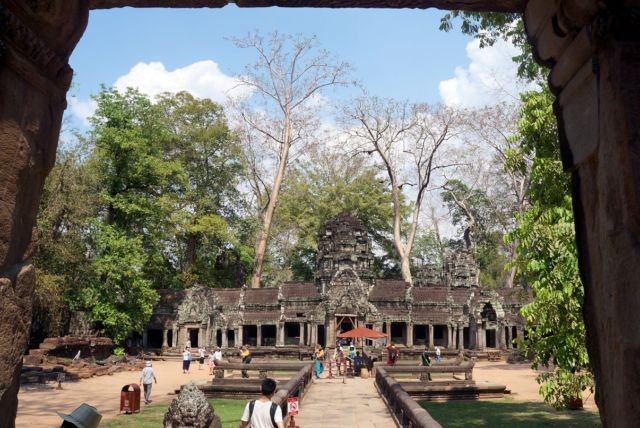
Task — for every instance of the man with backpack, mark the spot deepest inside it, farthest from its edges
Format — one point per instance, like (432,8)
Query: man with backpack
(263,413)
(426,361)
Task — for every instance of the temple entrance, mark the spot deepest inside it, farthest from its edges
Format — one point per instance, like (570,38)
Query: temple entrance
(346,322)
(231,338)
(218,337)
(420,335)
(250,335)
(465,338)
(192,334)
(490,339)
(170,338)
(292,333)
(154,338)
(398,330)
(268,335)
(321,335)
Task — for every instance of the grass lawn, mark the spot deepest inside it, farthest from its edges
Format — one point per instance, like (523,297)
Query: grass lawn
(507,413)
(151,416)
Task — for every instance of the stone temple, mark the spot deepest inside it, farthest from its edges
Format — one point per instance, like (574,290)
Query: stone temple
(445,307)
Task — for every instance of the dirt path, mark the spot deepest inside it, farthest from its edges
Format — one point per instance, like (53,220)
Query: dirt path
(37,405)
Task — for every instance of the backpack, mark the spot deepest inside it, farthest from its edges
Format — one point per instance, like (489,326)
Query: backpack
(426,361)
(272,411)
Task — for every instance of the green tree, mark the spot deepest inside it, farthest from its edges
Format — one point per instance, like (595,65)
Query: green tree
(67,205)
(317,189)
(208,203)
(547,260)
(120,299)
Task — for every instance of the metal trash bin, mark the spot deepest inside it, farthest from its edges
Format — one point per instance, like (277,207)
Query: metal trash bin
(130,399)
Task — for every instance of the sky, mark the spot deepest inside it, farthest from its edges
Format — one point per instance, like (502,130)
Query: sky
(395,53)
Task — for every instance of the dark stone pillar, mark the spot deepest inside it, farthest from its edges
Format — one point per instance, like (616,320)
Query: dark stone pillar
(595,53)
(36,39)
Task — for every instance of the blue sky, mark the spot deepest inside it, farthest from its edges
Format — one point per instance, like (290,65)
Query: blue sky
(395,53)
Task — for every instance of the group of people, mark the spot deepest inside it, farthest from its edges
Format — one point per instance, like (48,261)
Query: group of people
(214,357)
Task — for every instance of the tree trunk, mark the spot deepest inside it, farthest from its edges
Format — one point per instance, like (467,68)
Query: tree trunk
(267,219)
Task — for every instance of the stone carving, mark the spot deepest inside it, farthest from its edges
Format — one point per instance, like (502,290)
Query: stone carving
(462,269)
(196,306)
(430,274)
(191,409)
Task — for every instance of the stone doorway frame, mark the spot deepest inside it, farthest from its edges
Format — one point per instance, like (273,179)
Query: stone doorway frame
(592,47)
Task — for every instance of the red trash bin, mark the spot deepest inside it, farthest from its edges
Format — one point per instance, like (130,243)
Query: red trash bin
(130,400)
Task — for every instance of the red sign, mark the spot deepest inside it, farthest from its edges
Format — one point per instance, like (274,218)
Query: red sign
(292,406)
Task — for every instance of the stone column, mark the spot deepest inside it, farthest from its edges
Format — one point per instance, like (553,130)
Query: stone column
(280,334)
(508,337)
(478,337)
(449,336)
(308,329)
(175,340)
(314,334)
(200,336)
(460,336)
(410,334)
(224,338)
(301,341)
(501,340)
(240,336)
(431,336)
(259,334)
(330,331)
(144,338)
(165,342)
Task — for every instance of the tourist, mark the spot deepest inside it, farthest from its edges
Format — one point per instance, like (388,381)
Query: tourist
(319,359)
(200,357)
(146,377)
(211,361)
(426,360)
(358,363)
(186,360)
(246,359)
(340,359)
(437,354)
(392,354)
(84,416)
(217,356)
(188,344)
(263,413)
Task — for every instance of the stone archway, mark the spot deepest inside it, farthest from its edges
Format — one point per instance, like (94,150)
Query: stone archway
(592,46)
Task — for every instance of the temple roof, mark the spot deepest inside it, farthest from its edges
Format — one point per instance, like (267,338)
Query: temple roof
(461,295)
(387,290)
(228,296)
(429,294)
(300,290)
(261,296)
(261,315)
(430,315)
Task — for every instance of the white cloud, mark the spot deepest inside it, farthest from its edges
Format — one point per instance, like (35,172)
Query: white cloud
(490,78)
(203,79)
(83,109)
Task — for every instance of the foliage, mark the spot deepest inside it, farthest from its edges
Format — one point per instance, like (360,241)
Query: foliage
(68,202)
(206,206)
(489,27)
(121,298)
(547,260)
(317,190)
(119,351)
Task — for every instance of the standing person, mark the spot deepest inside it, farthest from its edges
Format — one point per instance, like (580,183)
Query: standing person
(188,344)
(146,377)
(392,354)
(217,356)
(437,354)
(211,361)
(186,360)
(246,359)
(426,361)
(319,358)
(200,357)
(263,413)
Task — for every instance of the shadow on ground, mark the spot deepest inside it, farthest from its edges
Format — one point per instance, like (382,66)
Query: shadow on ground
(507,413)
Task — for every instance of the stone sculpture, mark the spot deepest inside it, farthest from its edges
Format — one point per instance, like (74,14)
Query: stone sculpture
(191,409)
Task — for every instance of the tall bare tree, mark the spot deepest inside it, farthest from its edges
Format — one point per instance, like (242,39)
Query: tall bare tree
(493,127)
(407,140)
(281,113)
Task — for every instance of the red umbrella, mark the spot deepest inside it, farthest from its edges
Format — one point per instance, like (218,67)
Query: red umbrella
(366,333)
